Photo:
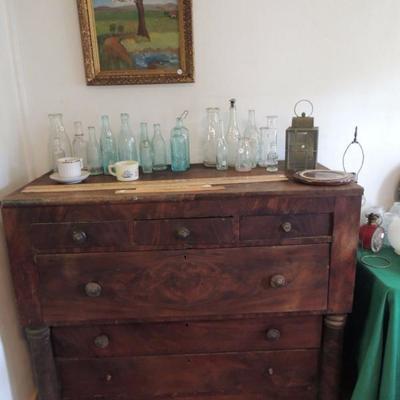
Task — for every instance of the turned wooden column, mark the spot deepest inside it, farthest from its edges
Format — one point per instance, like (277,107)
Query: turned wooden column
(43,363)
(331,363)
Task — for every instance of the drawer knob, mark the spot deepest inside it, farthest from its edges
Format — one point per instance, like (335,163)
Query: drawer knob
(102,341)
(270,371)
(287,227)
(93,289)
(273,335)
(278,282)
(79,237)
(183,233)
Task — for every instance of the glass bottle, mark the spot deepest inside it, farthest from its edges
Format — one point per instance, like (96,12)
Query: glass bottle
(210,145)
(179,160)
(146,156)
(127,150)
(222,149)
(265,134)
(107,145)
(159,149)
(94,163)
(59,143)
(244,158)
(185,132)
(79,144)
(233,134)
(253,135)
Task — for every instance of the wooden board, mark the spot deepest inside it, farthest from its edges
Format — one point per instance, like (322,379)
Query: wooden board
(161,186)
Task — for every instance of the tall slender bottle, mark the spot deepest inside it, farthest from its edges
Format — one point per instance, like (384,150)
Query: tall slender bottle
(79,144)
(179,146)
(210,145)
(127,150)
(59,143)
(232,134)
(95,166)
(159,150)
(222,149)
(107,145)
(146,154)
(253,135)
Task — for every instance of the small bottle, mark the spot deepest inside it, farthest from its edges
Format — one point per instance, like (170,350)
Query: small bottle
(185,132)
(222,149)
(210,145)
(244,158)
(146,155)
(59,143)
(233,134)
(94,154)
(179,161)
(79,144)
(107,145)
(268,144)
(253,135)
(159,150)
(127,150)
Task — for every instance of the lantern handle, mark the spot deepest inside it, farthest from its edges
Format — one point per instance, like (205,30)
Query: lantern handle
(303,101)
(354,142)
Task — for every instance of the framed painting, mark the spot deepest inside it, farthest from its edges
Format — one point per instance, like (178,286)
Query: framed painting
(129,42)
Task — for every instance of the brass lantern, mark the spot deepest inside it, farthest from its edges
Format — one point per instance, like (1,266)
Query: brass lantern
(301,141)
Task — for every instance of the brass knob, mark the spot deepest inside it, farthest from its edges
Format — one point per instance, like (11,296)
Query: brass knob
(278,281)
(273,335)
(287,227)
(102,341)
(270,371)
(183,233)
(93,289)
(108,378)
(79,237)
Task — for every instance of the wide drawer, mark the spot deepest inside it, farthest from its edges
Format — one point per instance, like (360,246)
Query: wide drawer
(183,284)
(59,236)
(267,333)
(275,228)
(184,232)
(275,375)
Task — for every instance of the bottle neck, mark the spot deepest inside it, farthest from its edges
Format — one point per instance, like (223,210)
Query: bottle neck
(144,132)
(106,124)
(233,117)
(92,133)
(78,129)
(252,119)
(157,130)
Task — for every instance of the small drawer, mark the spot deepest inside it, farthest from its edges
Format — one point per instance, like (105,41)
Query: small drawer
(187,233)
(127,340)
(275,375)
(276,228)
(48,236)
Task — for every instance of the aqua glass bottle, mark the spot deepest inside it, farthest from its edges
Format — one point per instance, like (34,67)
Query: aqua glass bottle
(232,134)
(79,144)
(222,149)
(107,145)
(127,150)
(146,156)
(179,145)
(185,132)
(95,166)
(159,149)
(253,135)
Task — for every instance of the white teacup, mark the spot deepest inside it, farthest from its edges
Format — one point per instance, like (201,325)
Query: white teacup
(125,171)
(69,167)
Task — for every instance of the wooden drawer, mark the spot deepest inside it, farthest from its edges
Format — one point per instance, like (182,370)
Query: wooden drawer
(80,235)
(267,333)
(272,374)
(183,284)
(184,232)
(275,228)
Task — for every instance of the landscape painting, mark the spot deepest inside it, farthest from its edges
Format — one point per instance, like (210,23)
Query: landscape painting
(137,41)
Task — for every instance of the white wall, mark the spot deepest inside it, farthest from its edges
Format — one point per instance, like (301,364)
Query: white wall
(344,55)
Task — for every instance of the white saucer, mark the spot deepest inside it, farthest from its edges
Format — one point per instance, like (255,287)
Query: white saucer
(69,181)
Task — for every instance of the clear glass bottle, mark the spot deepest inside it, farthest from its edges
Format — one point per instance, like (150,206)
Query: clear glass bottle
(210,145)
(253,134)
(179,145)
(272,157)
(222,149)
(159,149)
(146,154)
(244,158)
(59,143)
(233,134)
(94,161)
(107,145)
(79,144)
(265,134)
(127,150)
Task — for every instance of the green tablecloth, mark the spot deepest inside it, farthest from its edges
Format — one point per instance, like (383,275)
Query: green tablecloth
(377,318)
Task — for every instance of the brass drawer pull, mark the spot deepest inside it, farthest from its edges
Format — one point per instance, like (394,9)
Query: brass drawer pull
(278,282)
(93,289)
(270,371)
(102,341)
(79,237)
(183,233)
(273,335)
(287,227)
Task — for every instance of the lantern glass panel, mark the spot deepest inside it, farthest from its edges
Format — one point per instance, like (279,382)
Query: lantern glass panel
(301,149)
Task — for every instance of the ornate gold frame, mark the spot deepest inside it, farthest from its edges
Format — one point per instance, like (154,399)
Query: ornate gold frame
(94,75)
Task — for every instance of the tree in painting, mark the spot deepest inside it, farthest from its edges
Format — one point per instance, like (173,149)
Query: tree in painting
(142,29)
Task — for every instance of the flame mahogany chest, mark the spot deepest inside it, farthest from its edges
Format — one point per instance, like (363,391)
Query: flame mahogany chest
(238,294)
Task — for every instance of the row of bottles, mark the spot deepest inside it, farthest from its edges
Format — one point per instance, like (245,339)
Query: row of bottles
(242,152)
(98,155)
